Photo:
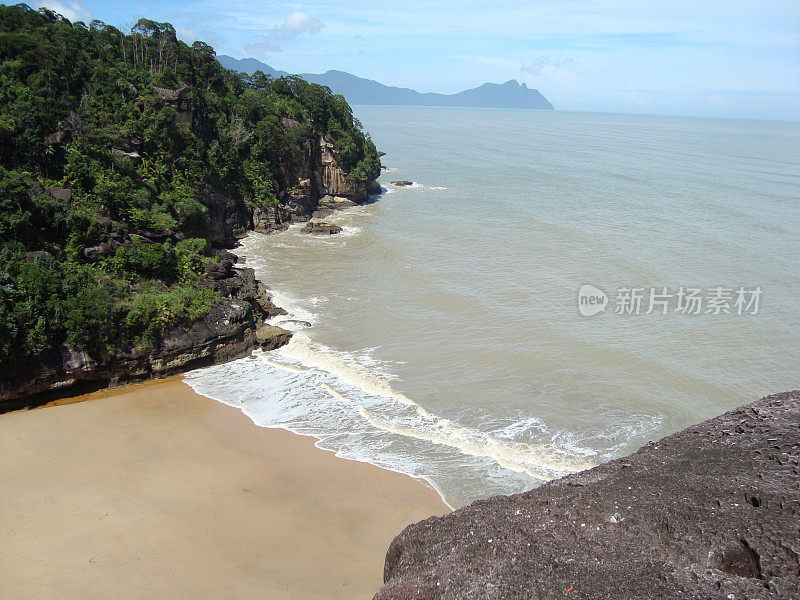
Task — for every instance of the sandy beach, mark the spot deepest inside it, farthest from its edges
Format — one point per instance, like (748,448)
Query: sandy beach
(153,491)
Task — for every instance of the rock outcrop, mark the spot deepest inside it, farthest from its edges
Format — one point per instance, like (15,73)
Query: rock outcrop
(232,329)
(321,228)
(178,99)
(270,337)
(331,177)
(322,186)
(710,512)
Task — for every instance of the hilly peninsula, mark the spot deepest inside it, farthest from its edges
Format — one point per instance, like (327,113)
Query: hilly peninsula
(358,90)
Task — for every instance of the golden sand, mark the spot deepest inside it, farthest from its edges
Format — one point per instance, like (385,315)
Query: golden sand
(153,491)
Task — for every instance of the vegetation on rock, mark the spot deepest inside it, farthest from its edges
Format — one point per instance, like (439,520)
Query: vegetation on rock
(111,145)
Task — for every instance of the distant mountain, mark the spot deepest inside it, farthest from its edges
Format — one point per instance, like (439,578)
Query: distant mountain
(358,90)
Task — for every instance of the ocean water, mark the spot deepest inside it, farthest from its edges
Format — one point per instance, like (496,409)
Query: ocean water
(445,338)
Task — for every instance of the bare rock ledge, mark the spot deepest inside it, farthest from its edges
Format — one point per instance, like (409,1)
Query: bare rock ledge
(709,512)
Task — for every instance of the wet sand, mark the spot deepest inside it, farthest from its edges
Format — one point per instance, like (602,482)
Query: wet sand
(153,491)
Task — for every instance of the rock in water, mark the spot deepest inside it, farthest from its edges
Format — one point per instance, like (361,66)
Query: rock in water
(710,512)
(402,183)
(321,228)
(270,337)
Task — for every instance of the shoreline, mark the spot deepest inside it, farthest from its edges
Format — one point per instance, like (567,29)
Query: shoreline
(421,480)
(153,490)
(75,373)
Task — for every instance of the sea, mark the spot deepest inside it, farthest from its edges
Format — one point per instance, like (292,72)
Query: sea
(554,290)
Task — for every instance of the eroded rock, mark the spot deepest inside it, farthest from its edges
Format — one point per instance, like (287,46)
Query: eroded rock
(709,512)
(270,337)
(321,228)
(228,331)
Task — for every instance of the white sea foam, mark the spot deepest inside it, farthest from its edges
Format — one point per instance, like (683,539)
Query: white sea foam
(347,401)
(348,231)
(415,185)
(294,310)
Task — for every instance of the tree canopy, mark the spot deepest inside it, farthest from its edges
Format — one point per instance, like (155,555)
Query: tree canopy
(109,143)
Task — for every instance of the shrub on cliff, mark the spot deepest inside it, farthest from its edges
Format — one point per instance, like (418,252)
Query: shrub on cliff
(109,145)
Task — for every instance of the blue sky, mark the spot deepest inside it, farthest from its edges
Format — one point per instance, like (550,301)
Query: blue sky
(707,58)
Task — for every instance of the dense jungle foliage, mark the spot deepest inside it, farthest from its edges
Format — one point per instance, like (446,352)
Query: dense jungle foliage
(112,141)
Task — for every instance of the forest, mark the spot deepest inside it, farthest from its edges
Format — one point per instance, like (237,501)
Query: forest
(109,144)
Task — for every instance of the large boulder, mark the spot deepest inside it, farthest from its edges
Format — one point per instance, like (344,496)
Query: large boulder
(270,337)
(35,255)
(710,512)
(321,228)
(101,250)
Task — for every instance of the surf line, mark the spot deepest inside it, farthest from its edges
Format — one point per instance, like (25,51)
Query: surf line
(522,458)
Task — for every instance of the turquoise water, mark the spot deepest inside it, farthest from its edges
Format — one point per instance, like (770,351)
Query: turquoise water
(446,340)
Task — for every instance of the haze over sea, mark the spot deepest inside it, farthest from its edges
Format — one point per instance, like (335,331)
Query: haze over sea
(446,340)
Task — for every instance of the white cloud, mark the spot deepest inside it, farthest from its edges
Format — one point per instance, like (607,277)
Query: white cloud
(295,24)
(185,34)
(70,9)
(544,65)
(552,69)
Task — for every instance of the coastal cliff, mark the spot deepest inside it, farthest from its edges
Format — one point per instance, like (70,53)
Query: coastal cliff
(229,330)
(121,186)
(233,327)
(709,512)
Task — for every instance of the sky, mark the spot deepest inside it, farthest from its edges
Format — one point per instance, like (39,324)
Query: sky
(734,59)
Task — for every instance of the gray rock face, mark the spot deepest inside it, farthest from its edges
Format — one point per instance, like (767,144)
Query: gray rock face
(710,512)
(231,329)
(270,219)
(229,220)
(269,309)
(321,213)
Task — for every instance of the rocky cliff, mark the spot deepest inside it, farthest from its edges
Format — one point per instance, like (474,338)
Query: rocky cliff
(710,512)
(235,325)
(119,178)
(322,183)
(231,329)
